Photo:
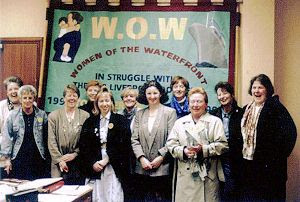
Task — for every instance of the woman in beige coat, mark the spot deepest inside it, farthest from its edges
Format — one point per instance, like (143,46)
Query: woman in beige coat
(64,127)
(195,141)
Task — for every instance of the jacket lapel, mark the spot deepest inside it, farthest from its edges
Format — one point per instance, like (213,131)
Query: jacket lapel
(111,123)
(156,124)
(145,130)
(194,130)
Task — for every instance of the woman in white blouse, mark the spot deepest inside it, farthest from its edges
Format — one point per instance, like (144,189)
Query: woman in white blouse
(105,149)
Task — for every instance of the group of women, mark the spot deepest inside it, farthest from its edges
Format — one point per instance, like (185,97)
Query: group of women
(176,151)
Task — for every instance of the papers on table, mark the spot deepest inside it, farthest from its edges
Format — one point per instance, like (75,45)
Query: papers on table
(72,190)
(39,183)
(66,193)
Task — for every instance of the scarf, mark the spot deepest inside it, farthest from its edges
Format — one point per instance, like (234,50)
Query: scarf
(181,109)
(249,129)
(10,105)
(129,115)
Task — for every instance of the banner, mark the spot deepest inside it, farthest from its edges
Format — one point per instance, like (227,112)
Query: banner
(126,48)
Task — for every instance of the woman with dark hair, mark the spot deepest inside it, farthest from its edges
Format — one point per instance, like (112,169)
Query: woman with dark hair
(230,114)
(269,135)
(25,139)
(180,87)
(64,127)
(105,150)
(151,128)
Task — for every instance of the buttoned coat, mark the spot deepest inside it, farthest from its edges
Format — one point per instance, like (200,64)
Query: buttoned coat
(275,139)
(152,144)
(62,140)
(189,188)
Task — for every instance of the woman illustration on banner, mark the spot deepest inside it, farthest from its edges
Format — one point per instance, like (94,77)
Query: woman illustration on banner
(151,128)
(180,87)
(105,151)
(69,39)
(64,127)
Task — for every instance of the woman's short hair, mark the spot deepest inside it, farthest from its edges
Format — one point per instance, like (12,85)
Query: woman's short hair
(129,90)
(199,90)
(142,92)
(27,89)
(225,85)
(185,82)
(103,90)
(12,79)
(265,81)
(93,83)
(71,87)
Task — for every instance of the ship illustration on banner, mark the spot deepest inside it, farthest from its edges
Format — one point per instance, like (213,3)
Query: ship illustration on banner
(210,44)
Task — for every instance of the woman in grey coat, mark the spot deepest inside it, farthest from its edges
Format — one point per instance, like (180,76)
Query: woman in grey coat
(151,128)
(25,139)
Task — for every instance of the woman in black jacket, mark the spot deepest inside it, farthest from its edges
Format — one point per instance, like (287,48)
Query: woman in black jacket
(230,114)
(105,148)
(269,136)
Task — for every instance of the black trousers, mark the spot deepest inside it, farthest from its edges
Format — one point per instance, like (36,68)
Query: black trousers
(154,188)
(260,184)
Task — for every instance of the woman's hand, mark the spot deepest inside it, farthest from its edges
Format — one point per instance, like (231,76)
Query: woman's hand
(197,148)
(63,166)
(69,157)
(7,166)
(97,167)
(190,152)
(104,162)
(157,162)
(145,163)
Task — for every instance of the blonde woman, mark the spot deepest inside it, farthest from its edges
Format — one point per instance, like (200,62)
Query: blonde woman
(129,97)
(105,149)
(196,141)
(25,139)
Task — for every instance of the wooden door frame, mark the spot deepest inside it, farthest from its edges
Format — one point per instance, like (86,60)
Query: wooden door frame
(29,40)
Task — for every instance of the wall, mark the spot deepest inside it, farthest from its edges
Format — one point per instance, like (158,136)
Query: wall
(259,37)
(19,18)
(256,44)
(287,74)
